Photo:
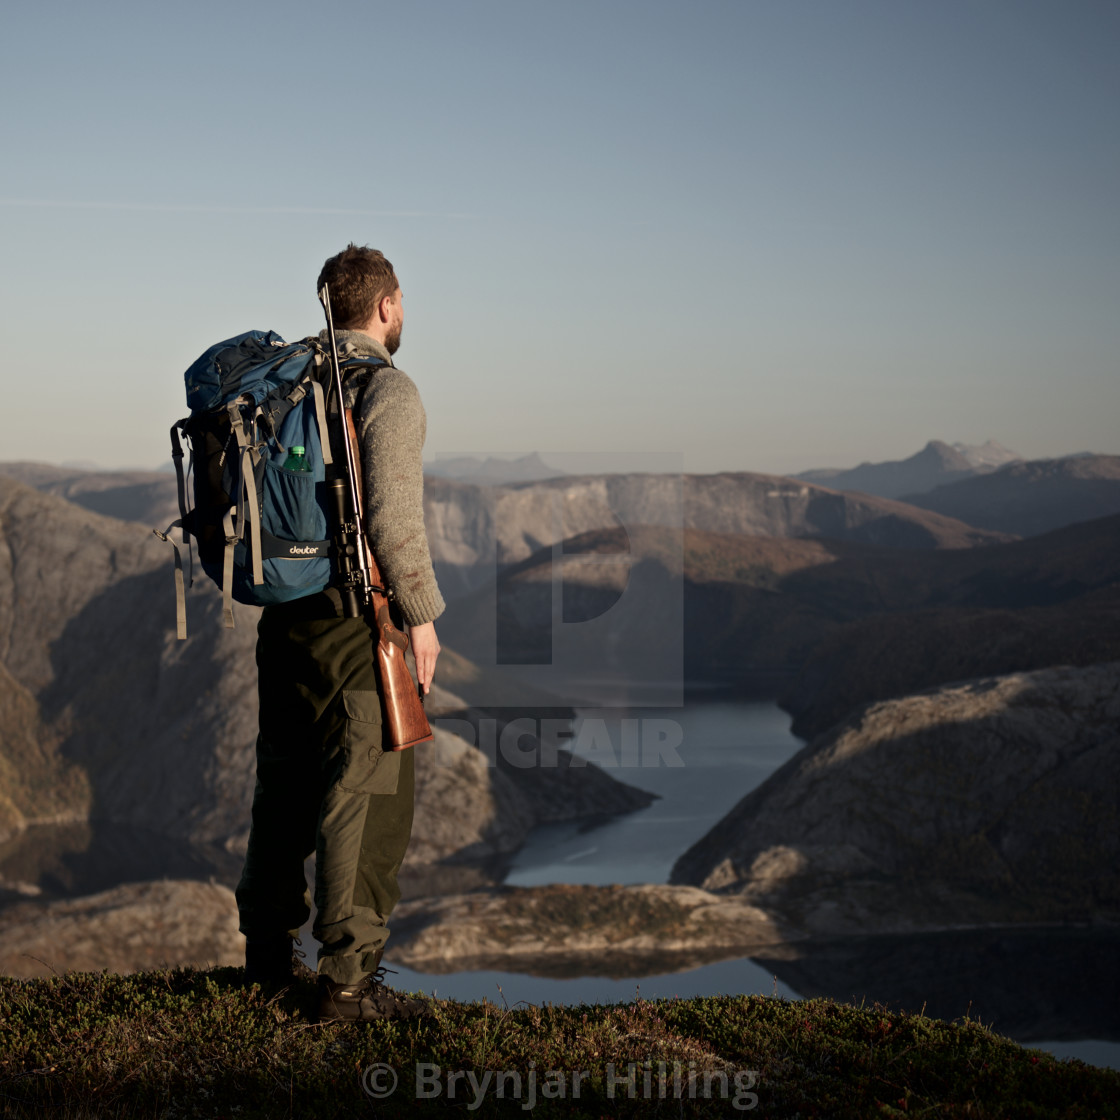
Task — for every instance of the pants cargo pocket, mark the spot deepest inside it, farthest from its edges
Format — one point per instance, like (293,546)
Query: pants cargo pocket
(366,768)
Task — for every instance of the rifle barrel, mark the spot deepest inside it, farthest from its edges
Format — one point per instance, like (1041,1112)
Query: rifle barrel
(351,463)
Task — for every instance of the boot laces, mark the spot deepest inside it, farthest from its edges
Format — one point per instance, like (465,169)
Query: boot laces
(375,983)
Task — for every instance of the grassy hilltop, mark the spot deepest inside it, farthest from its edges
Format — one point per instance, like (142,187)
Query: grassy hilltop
(196,1043)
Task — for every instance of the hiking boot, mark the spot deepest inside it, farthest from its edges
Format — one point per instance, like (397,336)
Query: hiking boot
(366,1001)
(275,961)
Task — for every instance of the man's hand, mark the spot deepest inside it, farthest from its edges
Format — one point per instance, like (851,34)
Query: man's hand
(425,649)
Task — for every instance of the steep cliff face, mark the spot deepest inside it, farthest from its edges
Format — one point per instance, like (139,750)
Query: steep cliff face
(473,528)
(160,729)
(36,784)
(927,811)
(55,560)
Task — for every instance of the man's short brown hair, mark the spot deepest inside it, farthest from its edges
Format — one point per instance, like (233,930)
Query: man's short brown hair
(359,278)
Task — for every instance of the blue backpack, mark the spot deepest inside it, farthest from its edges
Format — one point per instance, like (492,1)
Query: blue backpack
(263,532)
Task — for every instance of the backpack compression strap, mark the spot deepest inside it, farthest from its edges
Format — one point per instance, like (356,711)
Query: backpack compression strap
(246,496)
(180,589)
(180,476)
(181,523)
(321,418)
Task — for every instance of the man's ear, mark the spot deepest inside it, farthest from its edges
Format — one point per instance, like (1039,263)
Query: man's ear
(385,308)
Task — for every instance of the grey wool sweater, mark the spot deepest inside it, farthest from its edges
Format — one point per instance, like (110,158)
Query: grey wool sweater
(391,426)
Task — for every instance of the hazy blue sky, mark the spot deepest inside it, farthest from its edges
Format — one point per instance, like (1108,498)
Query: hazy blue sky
(769,234)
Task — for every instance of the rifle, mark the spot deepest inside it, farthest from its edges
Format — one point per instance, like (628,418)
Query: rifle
(360,581)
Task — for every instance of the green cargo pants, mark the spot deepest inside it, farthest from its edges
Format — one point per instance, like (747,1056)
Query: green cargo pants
(324,786)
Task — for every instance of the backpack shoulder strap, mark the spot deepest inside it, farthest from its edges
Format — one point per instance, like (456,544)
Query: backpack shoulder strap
(362,369)
(359,373)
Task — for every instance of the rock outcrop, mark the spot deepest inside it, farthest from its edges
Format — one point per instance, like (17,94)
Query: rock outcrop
(992,800)
(132,928)
(566,930)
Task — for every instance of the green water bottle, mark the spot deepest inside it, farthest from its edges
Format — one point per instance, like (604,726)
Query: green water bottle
(297,460)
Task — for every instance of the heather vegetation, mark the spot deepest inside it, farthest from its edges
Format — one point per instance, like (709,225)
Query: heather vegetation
(195,1043)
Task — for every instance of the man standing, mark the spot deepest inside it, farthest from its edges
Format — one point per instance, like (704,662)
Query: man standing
(324,785)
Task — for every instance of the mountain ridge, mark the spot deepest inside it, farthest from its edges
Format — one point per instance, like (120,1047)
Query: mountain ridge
(935,464)
(1031,497)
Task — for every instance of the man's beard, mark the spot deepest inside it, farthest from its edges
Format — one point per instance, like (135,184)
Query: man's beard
(393,339)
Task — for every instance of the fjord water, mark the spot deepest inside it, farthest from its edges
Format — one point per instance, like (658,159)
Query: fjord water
(727,748)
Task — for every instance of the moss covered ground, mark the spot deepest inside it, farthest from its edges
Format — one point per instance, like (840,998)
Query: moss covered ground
(196,1043)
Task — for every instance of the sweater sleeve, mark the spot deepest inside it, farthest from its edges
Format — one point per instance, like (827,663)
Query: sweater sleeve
(391,430)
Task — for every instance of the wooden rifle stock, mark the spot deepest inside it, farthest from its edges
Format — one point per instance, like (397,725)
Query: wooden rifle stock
(406,723)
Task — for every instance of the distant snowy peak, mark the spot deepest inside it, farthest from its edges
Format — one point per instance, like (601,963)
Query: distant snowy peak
(936,464)
(990,454)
